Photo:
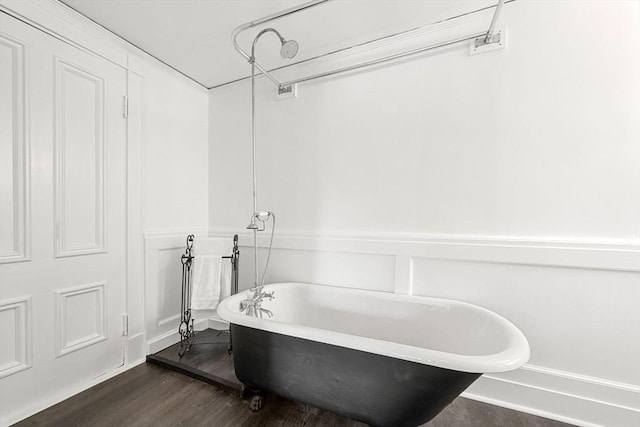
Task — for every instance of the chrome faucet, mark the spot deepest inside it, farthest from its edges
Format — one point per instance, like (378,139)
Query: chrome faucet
(253,305)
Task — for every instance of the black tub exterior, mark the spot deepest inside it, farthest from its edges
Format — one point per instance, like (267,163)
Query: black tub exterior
(375,389)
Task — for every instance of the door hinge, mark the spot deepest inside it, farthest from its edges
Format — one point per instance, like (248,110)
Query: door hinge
(125,325)
(125,107)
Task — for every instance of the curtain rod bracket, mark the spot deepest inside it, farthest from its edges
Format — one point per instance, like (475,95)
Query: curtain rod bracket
(483,41)
(498,40)
(491,37)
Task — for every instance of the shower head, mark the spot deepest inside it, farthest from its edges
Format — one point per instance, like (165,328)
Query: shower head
(289,49)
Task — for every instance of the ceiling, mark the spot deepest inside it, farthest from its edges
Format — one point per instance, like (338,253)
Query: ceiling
(194,36)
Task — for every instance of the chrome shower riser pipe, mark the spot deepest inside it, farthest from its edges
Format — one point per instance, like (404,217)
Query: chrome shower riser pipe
(288,50)
(253,165)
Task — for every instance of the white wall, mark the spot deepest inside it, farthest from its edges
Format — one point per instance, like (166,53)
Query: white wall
(536,140)
(175,138)
(175,190)
(509,179)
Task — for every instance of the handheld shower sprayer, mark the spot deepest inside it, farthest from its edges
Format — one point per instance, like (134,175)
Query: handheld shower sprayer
(257,223)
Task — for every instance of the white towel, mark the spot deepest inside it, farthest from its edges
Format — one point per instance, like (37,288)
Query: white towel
(212,246)
(225,279)
(211,281)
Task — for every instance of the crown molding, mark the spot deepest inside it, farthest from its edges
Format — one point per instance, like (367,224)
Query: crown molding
(62,22)
(55,19)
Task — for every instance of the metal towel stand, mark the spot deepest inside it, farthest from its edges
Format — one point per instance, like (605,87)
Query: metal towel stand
(185,329)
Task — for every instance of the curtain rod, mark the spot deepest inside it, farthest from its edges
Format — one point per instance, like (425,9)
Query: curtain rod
(384,59)
(484,38)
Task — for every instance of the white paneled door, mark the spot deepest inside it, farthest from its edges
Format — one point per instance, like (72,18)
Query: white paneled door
(62,217)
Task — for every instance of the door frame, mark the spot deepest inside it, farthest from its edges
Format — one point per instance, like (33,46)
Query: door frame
(63,23)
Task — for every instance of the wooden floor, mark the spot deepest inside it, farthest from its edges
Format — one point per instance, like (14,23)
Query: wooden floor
(207,359)
(151,395)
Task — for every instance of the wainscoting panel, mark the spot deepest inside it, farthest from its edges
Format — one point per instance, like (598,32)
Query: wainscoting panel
(163,287)
(600,392)
(15,335)
(585,312)
(560,403)
(346,269)
(80,317)
(79,145)
(576,302)
(13,153)
(163,278)
(169,287)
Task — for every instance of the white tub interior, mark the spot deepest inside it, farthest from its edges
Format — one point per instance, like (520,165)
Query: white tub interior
(435,325)
(439,332)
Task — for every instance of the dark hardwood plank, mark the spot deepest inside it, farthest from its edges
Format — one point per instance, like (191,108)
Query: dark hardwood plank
(467,412)
(150,395)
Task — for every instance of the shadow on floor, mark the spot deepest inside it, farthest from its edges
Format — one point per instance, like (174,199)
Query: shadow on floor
(206,359)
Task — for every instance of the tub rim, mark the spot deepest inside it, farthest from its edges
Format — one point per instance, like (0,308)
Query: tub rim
(512,357)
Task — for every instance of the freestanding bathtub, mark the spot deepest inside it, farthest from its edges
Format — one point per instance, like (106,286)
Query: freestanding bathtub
(381,358)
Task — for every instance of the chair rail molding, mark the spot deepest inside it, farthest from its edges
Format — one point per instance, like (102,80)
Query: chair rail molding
(622,255)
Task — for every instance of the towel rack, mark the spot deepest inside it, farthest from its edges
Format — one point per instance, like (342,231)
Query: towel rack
(185,329)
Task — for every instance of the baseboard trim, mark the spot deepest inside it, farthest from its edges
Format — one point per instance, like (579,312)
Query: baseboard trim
(599,390)
(560,395)
(526,409)
(168,339)
(218,324)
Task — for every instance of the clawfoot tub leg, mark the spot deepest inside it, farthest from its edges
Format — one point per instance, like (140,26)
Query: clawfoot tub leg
(256,400)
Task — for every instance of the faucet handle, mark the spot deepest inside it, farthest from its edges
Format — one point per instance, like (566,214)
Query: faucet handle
(270,295)
(246,304)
